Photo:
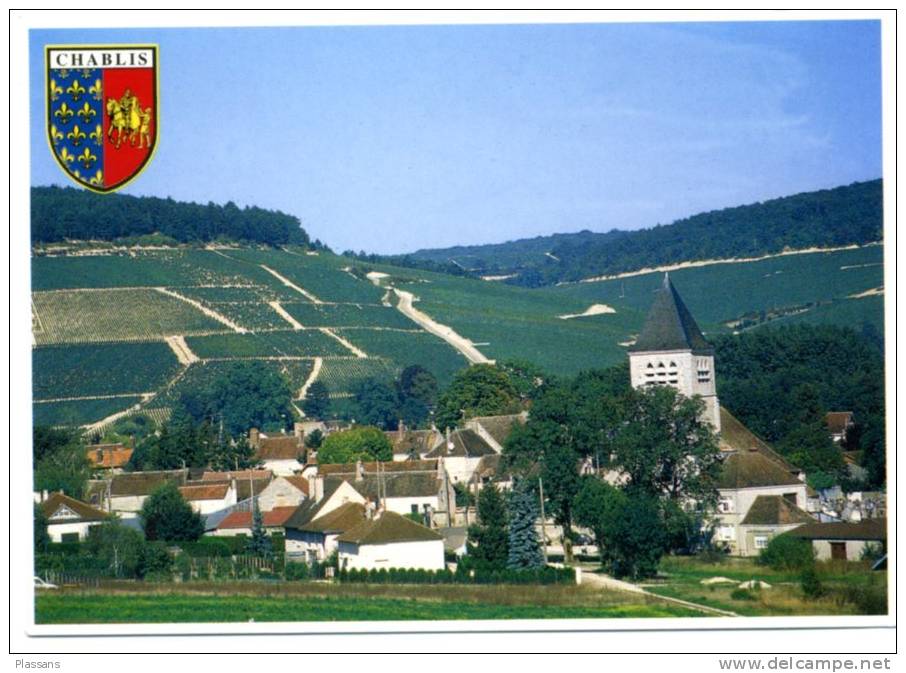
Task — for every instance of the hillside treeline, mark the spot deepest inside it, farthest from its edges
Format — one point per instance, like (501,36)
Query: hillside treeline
(59,213)
(845,215)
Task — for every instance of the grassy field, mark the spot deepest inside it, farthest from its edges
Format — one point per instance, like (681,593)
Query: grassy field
(681,578)
(311,602)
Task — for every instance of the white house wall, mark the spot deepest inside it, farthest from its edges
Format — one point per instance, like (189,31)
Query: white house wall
(57,530)
(428,555)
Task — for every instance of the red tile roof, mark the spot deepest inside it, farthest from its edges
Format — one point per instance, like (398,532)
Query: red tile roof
(108,456)
(275,518)
(204,491)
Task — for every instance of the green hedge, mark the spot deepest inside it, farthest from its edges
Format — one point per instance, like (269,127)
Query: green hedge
(547,575)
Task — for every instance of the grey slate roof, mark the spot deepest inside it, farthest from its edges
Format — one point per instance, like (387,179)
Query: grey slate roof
(669,325)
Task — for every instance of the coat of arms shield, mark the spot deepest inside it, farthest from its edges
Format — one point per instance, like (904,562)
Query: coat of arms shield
(102,111)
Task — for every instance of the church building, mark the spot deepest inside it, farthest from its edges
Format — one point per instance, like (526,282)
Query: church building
(671,350)
(761,494)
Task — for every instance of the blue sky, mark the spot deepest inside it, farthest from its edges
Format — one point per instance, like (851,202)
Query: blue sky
(390,139)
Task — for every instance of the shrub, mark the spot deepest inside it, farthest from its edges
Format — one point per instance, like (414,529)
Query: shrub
(872,551)
(297,571)
(786,552)
(742,595)
(811,583)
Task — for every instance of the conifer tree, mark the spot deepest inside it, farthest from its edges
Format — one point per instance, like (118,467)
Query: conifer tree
(259,544)
(524,548)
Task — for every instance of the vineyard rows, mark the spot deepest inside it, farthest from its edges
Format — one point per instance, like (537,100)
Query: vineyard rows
(101,369)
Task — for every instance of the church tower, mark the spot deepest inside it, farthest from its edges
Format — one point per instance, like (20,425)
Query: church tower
(672,351)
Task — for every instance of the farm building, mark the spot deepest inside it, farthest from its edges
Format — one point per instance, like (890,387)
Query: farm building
(843,540)
(390,541)
(68,519)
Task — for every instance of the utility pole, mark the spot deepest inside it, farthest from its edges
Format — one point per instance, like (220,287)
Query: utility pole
(543,532)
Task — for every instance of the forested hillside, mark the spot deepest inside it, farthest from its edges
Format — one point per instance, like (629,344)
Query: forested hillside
(845,215)
(780,382)
(67,213)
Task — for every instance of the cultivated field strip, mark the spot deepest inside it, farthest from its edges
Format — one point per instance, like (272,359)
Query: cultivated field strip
(94,316)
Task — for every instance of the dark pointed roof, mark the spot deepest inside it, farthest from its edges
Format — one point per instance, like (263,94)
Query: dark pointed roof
(669,325)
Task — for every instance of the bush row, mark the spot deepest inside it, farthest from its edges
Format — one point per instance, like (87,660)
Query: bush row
(546,575)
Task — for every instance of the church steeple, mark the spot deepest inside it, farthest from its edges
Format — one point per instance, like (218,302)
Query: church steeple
(671,350)
(670,325)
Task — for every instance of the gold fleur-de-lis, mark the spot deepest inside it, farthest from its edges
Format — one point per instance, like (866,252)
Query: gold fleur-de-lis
(76,136)
(55,134)
(64,72)
(75,90)
(96,89)
(64,113)
(86,72)
(98,178)
(66,156)
(86,113)
(86,158)
(55,90)
(97,135)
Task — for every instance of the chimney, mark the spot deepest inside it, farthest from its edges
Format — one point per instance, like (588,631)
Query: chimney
(359,470)
(317,483)
(440,467)
(369,509)
(253,437)
(298,430)
(400,429)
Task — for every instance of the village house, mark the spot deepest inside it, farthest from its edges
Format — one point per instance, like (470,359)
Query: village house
(126,492)
(839,423)
(461,452)
(248,483)
(409,487)
(760,493)
(206,497)
(112,457)
(242,522)
(68,519)
(311,534)
(495,430)
(412,444)
(307,543)
(388,540)
(283,492)
(281,453)
(843,540)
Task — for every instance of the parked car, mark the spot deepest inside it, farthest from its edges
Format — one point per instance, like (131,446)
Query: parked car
(44,584)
